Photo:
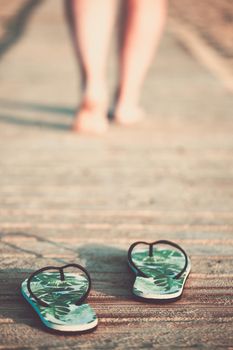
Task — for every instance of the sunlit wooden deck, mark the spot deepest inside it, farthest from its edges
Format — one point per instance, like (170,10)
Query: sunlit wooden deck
(68,198)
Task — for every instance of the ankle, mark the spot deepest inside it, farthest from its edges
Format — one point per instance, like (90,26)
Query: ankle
(125,106)
(95,92)
(126,98)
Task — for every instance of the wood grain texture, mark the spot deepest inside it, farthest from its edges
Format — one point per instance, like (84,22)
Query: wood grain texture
(69,198)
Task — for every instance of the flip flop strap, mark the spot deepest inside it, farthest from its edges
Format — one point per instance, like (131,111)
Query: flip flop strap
(151,245)
(62,276)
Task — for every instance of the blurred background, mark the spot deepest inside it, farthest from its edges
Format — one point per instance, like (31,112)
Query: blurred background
(211,19)
(204,29)
(208,22)
(67,197)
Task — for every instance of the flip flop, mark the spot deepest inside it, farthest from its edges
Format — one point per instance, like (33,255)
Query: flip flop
(160,273)
(58,298)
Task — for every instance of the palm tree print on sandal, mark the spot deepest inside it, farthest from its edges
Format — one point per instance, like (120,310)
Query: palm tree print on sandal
(160,272)
(58,297)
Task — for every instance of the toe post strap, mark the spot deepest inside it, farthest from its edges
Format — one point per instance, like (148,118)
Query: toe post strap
(151,249)
(62,278)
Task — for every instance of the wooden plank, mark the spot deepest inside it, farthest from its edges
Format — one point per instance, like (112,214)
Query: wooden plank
(67,198)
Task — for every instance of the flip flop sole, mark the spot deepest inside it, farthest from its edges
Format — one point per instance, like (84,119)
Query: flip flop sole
(160,285)
(62,314)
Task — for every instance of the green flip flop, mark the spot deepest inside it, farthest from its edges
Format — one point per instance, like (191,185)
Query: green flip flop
(58,298)
(161,272)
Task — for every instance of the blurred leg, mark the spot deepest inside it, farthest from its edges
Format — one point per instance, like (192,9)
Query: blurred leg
(144,25)
(93,22)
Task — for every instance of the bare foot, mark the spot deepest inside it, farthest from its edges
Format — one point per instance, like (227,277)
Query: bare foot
(128,115)
(91,118)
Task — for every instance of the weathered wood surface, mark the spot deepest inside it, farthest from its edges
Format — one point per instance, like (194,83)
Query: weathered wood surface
(66,198)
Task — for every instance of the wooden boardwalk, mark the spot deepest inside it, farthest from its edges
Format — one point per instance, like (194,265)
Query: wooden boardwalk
(68,198)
